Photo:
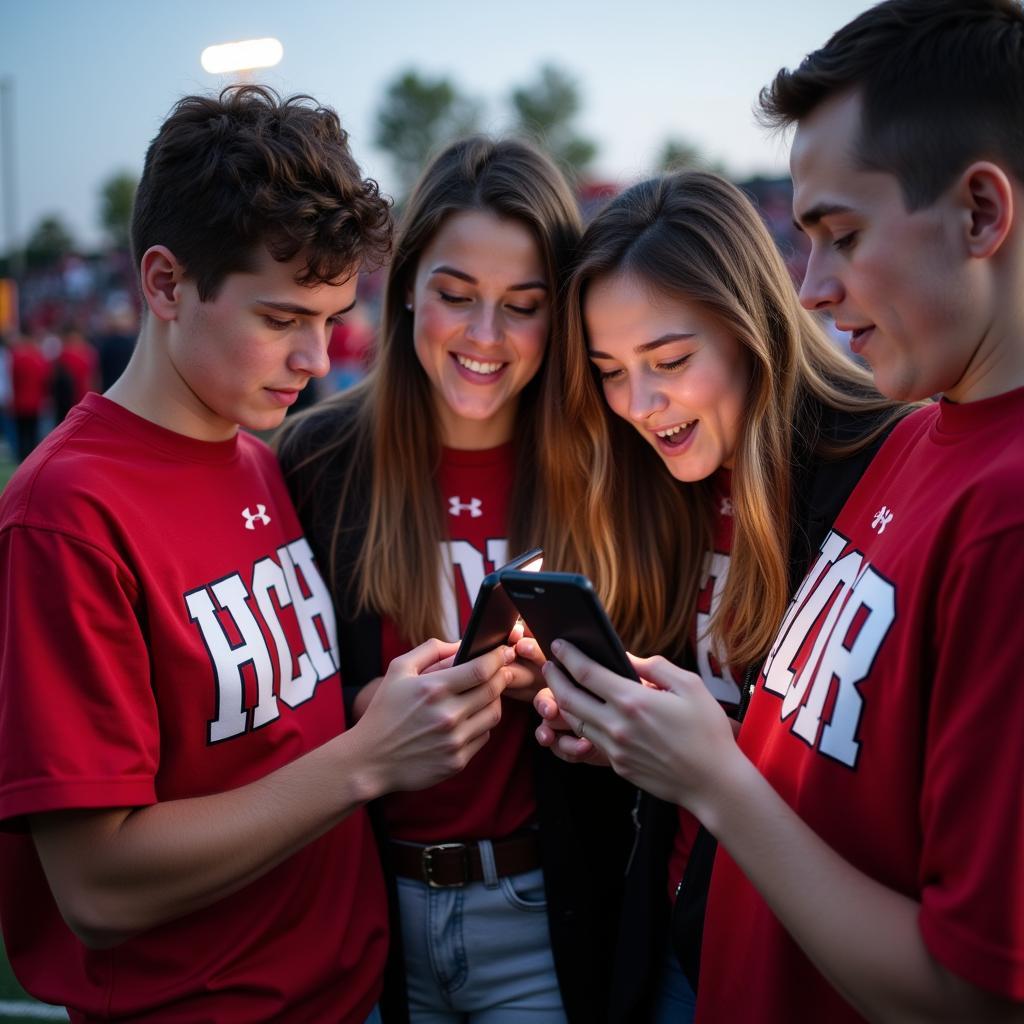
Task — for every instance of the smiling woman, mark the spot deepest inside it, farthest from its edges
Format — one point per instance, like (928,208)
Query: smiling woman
(730,431)
(671,370)
(412,487)
(481,320)
(682,320)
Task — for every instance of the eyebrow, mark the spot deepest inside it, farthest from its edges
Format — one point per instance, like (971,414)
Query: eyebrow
(815,214)
(469,279)
(649,346)
(297,310)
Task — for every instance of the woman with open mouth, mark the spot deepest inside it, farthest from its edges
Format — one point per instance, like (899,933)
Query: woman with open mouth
(732,430)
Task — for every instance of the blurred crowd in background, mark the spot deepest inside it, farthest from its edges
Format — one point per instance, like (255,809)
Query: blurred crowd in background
(73,324)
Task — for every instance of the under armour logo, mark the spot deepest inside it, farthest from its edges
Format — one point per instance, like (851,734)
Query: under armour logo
(260,514)
(726,509)
(475,507)
(883,517)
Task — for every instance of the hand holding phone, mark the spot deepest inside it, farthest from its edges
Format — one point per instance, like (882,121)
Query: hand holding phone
(494,616)
(560,605)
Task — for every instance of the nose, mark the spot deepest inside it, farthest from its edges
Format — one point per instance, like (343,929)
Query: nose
(483,326)
(309,355)
(821,288)
(645,398)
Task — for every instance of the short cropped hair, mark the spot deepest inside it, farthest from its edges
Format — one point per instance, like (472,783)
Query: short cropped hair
(941,84)
(229,174)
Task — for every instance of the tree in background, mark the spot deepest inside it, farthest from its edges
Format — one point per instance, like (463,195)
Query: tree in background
(679,154)
(417,116)
(48,243)
(546,109)
(117,195)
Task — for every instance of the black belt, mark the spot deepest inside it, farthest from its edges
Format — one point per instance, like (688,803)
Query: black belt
(442,865)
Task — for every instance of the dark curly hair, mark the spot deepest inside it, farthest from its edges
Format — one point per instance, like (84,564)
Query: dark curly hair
(941,84)
(226,175)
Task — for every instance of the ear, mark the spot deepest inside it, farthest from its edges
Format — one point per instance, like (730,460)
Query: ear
(160,274)
(987,195)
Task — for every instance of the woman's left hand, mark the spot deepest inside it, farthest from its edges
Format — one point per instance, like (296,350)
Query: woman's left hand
(526,669)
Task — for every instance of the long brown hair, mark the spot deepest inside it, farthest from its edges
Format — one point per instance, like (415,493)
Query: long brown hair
(695,237)
(387,426)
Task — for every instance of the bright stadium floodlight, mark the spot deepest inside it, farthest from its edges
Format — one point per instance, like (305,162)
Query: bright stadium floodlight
(241,56)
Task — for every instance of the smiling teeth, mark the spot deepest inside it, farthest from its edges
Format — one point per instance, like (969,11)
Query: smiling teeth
(674,430)
(478,367)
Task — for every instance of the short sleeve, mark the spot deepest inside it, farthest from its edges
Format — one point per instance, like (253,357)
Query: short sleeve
(972,809)
(78,720)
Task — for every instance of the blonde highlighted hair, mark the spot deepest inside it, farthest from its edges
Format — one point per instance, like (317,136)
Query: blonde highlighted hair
(695,237)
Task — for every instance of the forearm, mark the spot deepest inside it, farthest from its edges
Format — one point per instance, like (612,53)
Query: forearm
(672,739)
(115,873)
(863,936)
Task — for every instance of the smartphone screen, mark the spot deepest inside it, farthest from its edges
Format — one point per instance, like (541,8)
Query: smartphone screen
(494,616)
(565,605)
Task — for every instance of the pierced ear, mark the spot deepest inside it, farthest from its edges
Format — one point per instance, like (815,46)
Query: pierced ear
(988,194)
(160,274)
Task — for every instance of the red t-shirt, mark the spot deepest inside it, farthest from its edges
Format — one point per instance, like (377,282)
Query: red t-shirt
(722,680)
(30,379)
(349,343)
(165,635)
(80,363)
(493,796)
(890,713)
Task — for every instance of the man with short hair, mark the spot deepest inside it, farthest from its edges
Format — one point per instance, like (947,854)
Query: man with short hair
(870,817)
(880,875)
(181,803)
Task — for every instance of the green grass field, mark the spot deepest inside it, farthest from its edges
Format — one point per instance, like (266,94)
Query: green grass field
(9,988)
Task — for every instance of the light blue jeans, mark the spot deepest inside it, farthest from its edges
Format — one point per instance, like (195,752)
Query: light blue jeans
(479,953)
(677,1002)
(374,1017)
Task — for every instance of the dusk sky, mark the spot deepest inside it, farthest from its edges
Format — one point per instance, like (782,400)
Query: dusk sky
(92,79)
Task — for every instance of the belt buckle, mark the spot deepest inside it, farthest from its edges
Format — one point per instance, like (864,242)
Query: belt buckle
(426,858)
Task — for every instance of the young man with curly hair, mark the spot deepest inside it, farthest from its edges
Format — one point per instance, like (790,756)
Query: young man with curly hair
(181,802)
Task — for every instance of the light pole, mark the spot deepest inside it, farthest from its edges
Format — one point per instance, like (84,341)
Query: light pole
(14,253)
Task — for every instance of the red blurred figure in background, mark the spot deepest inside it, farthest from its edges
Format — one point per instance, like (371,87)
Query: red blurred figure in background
(75,371)
(349,351)
(30,387)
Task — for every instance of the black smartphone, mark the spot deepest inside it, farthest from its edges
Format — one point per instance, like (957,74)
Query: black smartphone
(494,615)
(565,605)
